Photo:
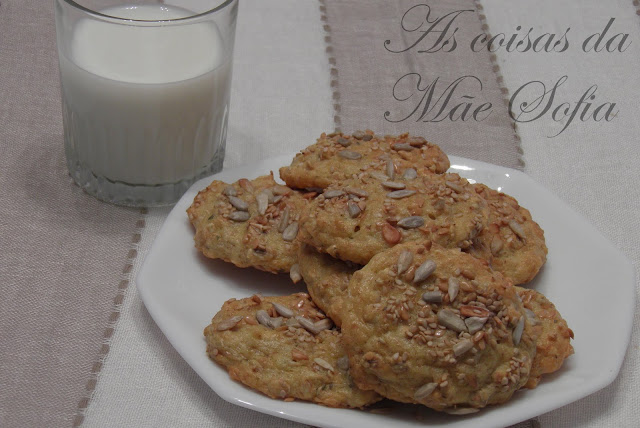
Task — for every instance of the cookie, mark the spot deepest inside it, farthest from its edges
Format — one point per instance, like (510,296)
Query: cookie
(554,335)
(512,242)
(285,348)
(327,280)
(250,223)
(437,327)
(337,156)
(355,219)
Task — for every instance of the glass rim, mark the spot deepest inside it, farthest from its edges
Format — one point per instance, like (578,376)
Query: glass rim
(85,9)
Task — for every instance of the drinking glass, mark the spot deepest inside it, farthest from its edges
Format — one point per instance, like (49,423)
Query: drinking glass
(145,94)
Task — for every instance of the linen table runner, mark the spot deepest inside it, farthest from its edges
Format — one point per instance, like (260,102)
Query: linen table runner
(65,256)
(391,77)
(395,69)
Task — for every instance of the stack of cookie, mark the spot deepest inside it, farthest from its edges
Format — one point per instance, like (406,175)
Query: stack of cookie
(412,276)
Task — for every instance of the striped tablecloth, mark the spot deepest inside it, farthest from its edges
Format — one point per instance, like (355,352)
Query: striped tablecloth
(77,346)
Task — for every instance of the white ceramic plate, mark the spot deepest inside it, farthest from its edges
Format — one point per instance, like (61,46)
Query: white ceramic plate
(590,282)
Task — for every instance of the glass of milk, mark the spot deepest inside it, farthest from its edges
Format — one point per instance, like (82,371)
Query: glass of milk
(145,94)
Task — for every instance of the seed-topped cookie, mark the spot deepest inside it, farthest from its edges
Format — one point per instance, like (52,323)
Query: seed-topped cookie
(512,242)
(358,218)
(338,156)
(285,348)
(435,326)
(327,280)
(250,223)
(554,336)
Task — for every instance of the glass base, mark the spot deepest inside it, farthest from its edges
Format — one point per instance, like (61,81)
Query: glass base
(138,195)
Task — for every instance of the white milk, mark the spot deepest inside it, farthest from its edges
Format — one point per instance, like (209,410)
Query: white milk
(145,105)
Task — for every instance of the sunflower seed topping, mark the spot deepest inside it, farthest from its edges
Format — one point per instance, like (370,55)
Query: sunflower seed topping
(263,202)
(333,193)
(284,220)
(358,135)
(391,169)
(454,186)
(356,192)
(263,318)
(308,325)
(454,287)
(348,154)
(379,176)
(424,391)
(399,194)
(462,347)
(531,316)
(229,191)
(517,332)
(290,232)
(281,190)
(402,146)
(282,310)
(344,142)
(411,222)
(396,185)
(239,216)
(517,229)
(276,322)
(417,141)
(475,324)
(496,245)
(424,271)
(238,203)
(229,323)
(354,209)
(294,274)
(449,319)
(409,174)
(404,261)
(432,297)
(325,365)
(324,324)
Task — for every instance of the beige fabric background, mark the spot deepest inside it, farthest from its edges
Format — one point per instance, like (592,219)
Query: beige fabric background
(62,253)
(141,363)
(592,166)
(365,72)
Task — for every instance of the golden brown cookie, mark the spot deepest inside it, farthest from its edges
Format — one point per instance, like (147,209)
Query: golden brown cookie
(355,219)
(554,335)
(338,156)
(327,280)
(512,242)
(250,223)
(285,348)
(437,327)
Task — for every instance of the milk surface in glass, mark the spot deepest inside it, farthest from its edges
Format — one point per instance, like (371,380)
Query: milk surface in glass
(145,105)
